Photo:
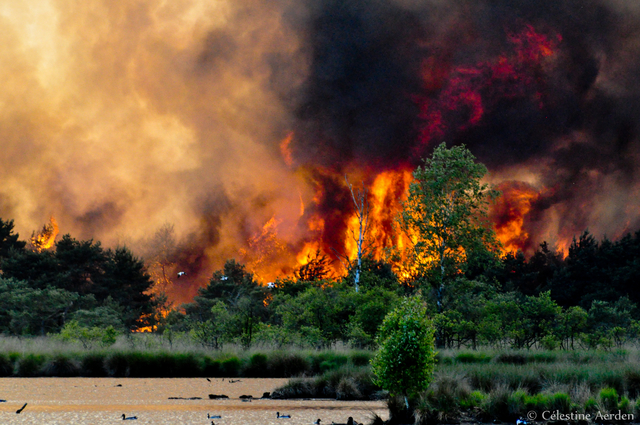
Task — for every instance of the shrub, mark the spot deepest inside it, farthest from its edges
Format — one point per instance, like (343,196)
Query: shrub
(62,366)
(117,364)
(632,380)
(609,398)
(93,365)
(230,367)
(285,365)
(560,401)
(511,358)
(30,365)
(404,363)
(473,400)
(473,358)
(211,367)
(257,366)
(6,365)
(361,358)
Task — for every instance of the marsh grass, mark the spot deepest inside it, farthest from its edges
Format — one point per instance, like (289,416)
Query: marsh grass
(345,383)
(143,355)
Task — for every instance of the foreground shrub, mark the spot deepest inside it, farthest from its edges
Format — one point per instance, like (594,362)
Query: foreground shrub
(446,397)
(347,383)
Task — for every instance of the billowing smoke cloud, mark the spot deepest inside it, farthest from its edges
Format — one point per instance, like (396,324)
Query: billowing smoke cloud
(118,117)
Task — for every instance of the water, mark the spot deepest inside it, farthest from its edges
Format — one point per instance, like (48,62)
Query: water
(104,400)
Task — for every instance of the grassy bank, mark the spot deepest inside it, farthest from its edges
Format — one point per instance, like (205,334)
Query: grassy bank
(146,357)
(501,385)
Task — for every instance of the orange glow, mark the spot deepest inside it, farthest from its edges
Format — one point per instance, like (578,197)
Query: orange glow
(509,214)
(47,236)
(285,149)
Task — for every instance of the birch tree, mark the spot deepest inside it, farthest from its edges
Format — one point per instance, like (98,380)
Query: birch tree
(362,213)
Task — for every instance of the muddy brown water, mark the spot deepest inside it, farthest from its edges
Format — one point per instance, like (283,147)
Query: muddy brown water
(67,401)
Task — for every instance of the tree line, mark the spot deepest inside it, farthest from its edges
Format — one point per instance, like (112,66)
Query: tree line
(475,295)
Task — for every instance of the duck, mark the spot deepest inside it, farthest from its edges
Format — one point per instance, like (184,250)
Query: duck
(213,416)
(21,409)
(350,421)
(279,416)
(317,422)
(130,418)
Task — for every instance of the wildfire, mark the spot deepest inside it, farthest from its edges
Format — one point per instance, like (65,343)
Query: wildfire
(386,194)
(510,212)
(285,149)
(469,92)
(46,237)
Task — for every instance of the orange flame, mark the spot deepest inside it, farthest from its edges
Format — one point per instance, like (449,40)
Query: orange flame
(47,236)
(510,212)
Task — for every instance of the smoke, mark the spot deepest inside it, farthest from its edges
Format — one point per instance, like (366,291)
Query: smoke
(118,117)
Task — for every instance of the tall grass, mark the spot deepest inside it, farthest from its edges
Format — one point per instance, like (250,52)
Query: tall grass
(150,356)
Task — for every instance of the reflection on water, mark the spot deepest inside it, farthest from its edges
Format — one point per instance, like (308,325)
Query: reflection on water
(104,400)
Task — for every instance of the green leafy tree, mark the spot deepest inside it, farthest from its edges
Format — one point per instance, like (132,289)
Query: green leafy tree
(318,313)
(243,296)
(405,359)
(445,215)
(31,311)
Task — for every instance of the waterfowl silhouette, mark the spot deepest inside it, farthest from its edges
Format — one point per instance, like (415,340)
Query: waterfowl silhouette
(317,422)
(279,416)
(130,418)
(350,421)
(213,417)
(21,409)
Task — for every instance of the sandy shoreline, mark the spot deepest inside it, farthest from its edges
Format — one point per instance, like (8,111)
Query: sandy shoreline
(103,400)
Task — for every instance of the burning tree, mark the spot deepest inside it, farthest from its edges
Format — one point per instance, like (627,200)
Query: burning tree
(445,215)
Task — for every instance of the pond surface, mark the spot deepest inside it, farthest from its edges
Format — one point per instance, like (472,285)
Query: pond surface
(104,400)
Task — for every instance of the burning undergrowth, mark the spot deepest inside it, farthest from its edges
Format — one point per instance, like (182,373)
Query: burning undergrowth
(237,121)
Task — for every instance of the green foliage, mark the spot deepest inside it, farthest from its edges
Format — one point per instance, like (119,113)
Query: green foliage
(25,310)
(73,331)
(445,213)
(404,362)
(230,308)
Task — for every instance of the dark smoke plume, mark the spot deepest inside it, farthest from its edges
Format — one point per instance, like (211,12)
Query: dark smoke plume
(118,117)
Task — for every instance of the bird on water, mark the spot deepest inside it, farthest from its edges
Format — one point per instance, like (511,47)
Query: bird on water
(130,418)
(350,421)
(21,409)
(317,422)
(279,416)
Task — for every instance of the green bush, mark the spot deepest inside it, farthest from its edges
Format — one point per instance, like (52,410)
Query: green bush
(473,358)
(93,365)
(609,399)
(62,366)
(286,365)
(117,364)
(212,367)
(30,365)
(230,367)
(6,365)
(560,401)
